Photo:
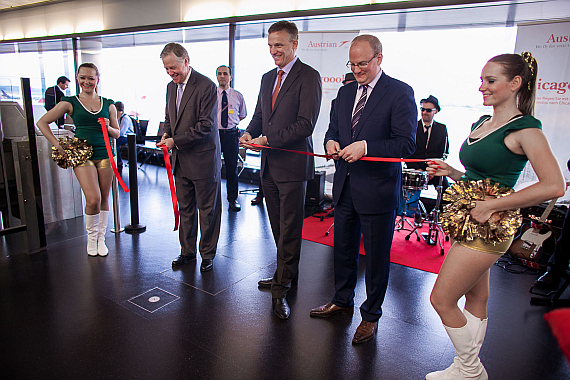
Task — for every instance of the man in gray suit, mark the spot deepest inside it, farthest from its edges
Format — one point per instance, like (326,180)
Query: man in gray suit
(287,108)
(191,132)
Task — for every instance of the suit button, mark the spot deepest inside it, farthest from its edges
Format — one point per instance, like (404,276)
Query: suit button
(270,123)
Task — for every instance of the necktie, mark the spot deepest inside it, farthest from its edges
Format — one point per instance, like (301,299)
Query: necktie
(224,109)
(359,107)
(426,131)
(179,93)
(276,91)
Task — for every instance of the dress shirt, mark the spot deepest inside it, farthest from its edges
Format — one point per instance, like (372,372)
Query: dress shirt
(286,71)
(126,125)
(185,80)
(236,108)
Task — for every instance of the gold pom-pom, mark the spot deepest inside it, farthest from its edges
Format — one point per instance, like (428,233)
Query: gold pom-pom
(77,151)
(456,219)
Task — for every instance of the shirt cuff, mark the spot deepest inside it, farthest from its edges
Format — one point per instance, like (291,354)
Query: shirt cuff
(365,148)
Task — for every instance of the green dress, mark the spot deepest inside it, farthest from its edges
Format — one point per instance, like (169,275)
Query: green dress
(87,126)
(489,157)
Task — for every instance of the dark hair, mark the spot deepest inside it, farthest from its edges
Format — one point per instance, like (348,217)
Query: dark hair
(120,106)
(525,66)
(62,79)
(287,26)
(89,66)
(178,50)
(229,68)
(373,41)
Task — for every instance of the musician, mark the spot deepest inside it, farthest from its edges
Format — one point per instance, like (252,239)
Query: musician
(431,138)
(558,262)
(497,148)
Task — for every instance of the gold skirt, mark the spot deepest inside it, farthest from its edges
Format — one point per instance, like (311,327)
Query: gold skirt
(477,244)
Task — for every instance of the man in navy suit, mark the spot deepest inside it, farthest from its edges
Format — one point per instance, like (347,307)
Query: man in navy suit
(374,116)
(285,116)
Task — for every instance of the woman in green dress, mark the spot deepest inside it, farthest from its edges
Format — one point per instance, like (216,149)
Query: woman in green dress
(497,148)
(95,175)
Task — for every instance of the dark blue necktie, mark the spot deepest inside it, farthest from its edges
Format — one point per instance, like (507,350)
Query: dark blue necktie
(224,109)
(359,107)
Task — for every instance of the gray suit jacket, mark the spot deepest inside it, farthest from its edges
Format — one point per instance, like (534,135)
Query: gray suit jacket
(195,129)
(290,124)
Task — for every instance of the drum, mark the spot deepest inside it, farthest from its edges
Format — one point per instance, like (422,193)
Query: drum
(414,179)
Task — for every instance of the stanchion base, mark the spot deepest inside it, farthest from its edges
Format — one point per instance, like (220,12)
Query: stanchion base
(117,231)
(133,229)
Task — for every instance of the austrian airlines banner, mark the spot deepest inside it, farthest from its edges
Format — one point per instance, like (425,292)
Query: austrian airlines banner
(326,52)
(550,45)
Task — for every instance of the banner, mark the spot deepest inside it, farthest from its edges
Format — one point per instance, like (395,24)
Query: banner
(326,52)
(550,45)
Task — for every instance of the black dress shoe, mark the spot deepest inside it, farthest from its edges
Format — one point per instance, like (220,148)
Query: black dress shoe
(281,308)
(207,264)
(234,205)
(181,260)
(266,282)
(329,309)
(549,280)
(257,200)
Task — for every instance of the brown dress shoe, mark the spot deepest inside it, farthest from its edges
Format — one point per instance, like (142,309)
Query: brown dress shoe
(329,309)
(364,332)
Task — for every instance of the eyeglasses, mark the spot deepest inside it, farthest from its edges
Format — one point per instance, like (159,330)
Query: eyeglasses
(361,65)
(427,109)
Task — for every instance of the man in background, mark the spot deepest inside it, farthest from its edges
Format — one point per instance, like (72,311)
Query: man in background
(231,110)
(54,94)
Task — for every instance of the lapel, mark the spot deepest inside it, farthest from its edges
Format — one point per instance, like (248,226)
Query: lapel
(188,91)
(267,91)
(421,138)
(291,77)
(377,94)
(346,117)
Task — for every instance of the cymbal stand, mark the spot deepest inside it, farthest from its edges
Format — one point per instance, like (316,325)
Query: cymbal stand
(402,220)
(436,234)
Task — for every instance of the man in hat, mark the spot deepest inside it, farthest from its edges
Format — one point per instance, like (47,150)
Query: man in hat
(431,138)
(348,78)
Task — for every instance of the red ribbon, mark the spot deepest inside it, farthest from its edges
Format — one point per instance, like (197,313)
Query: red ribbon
(365,158)
(172,188)
(110,154)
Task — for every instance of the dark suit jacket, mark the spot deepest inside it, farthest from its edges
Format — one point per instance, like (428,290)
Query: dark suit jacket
(388,124)
(52,96)
(291,123)
(195,129)
(438,144)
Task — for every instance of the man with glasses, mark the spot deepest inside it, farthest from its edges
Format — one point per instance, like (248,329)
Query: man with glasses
(431,138)
(374,116)
(285,116)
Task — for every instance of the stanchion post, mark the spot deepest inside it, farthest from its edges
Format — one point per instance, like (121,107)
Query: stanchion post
(115,189)
(135,226)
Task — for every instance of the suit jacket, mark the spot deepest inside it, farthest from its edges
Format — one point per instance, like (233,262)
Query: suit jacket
(52,96)
(290,124)
(194,129)
(437,146)
(388,124)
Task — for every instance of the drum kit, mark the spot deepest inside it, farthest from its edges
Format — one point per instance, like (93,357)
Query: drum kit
(414,181)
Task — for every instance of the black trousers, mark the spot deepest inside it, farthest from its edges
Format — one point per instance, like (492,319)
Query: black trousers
(230,147)
(377,231)
(558,262)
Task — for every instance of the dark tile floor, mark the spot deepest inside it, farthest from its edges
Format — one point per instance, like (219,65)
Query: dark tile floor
(65,315)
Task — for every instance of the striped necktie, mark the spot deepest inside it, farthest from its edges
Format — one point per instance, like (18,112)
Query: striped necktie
(359,107)
(179,94)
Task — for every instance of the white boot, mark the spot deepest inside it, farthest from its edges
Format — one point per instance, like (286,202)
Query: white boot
(101,247)
(478,328)
(92,228)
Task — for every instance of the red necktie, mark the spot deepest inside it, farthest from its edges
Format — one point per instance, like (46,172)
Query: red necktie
(276,91)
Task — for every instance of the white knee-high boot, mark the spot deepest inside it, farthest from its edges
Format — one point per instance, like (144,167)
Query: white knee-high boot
(101,247)
(92,228)
(472,368)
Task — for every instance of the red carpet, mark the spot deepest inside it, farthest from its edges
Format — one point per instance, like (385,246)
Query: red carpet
(411,253)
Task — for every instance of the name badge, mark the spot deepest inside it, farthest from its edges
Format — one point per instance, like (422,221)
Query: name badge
(231,112)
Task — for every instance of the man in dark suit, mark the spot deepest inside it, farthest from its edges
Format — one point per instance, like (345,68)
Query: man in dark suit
(191,132)
(285,116)
(376,116)
(54,94)
(431,138)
